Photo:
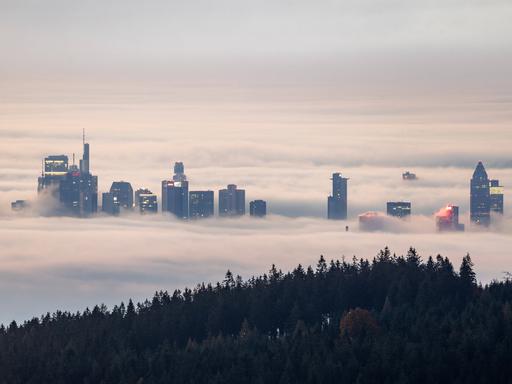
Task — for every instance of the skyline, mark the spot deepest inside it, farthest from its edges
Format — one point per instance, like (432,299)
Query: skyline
(273,96)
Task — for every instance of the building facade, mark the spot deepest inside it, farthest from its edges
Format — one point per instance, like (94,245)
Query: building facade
(258,208)
(123,192)
(398,208)
(231,201)
(496,196)
(480,198)
(201,204)
(447,219)
(146,200)
(337,202)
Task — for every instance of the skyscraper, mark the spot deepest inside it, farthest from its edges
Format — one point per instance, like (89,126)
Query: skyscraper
(146,201)
(231,201)
(200,204)
(258,208)
(175,193)
(78,189)
(123,193)
(337,202)
(480,201)
(447,219)
(496,195)
(399,208)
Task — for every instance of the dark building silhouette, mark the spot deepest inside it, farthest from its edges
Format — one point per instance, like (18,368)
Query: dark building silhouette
(200,204)
(409,176)
(110,204)
(447,219)
(146,201)
(231,201)
(496,196)
(179,172)
(175,193)
(258,208)
(55,168)
(19,205)
(123,192)
(399,208)
(175,198)
(337,202)
(78,189)
(480,201)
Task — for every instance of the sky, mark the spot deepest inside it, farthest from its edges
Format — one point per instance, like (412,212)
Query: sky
(273,96)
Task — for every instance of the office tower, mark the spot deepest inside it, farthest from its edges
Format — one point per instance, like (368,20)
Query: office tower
(146,201)
(110,204)
(175,198)
(480,202)
(496,196)
(231,201)
(78,189)
(447,219)
(200,204)
(399,208)
(337,202)
(258,208)
(371,221)
(409,176)
(54,169)
(123,192)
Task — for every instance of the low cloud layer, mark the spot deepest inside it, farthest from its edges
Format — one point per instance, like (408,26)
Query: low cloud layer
(64,263)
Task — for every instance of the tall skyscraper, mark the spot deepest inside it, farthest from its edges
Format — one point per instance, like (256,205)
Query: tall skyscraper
(146,201)
(78,189)
(496,195)
(258,208)
(175,193)
(337,202)
(480,201)
(447,219)
(399,208)
(231,201)
(200,204)
(123,192)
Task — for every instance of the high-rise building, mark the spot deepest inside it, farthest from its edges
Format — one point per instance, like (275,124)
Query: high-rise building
(480,202)
(78,189)
(258,208)
(399,208)
(496,195)
(447,219)
(337,202)
(175,198)
(175,193)
(146,201)
(231,201)
(55,168)
(123,192)
(200,204)
(110,203)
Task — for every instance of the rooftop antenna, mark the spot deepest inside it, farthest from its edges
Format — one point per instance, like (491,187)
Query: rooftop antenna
(73,158)
(83,136)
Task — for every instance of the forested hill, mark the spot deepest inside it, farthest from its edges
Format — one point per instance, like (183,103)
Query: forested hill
(390,320)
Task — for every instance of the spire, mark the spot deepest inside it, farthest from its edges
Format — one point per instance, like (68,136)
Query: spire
(83,136)
(480,172)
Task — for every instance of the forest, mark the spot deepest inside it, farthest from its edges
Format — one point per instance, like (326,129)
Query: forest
(388,319)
